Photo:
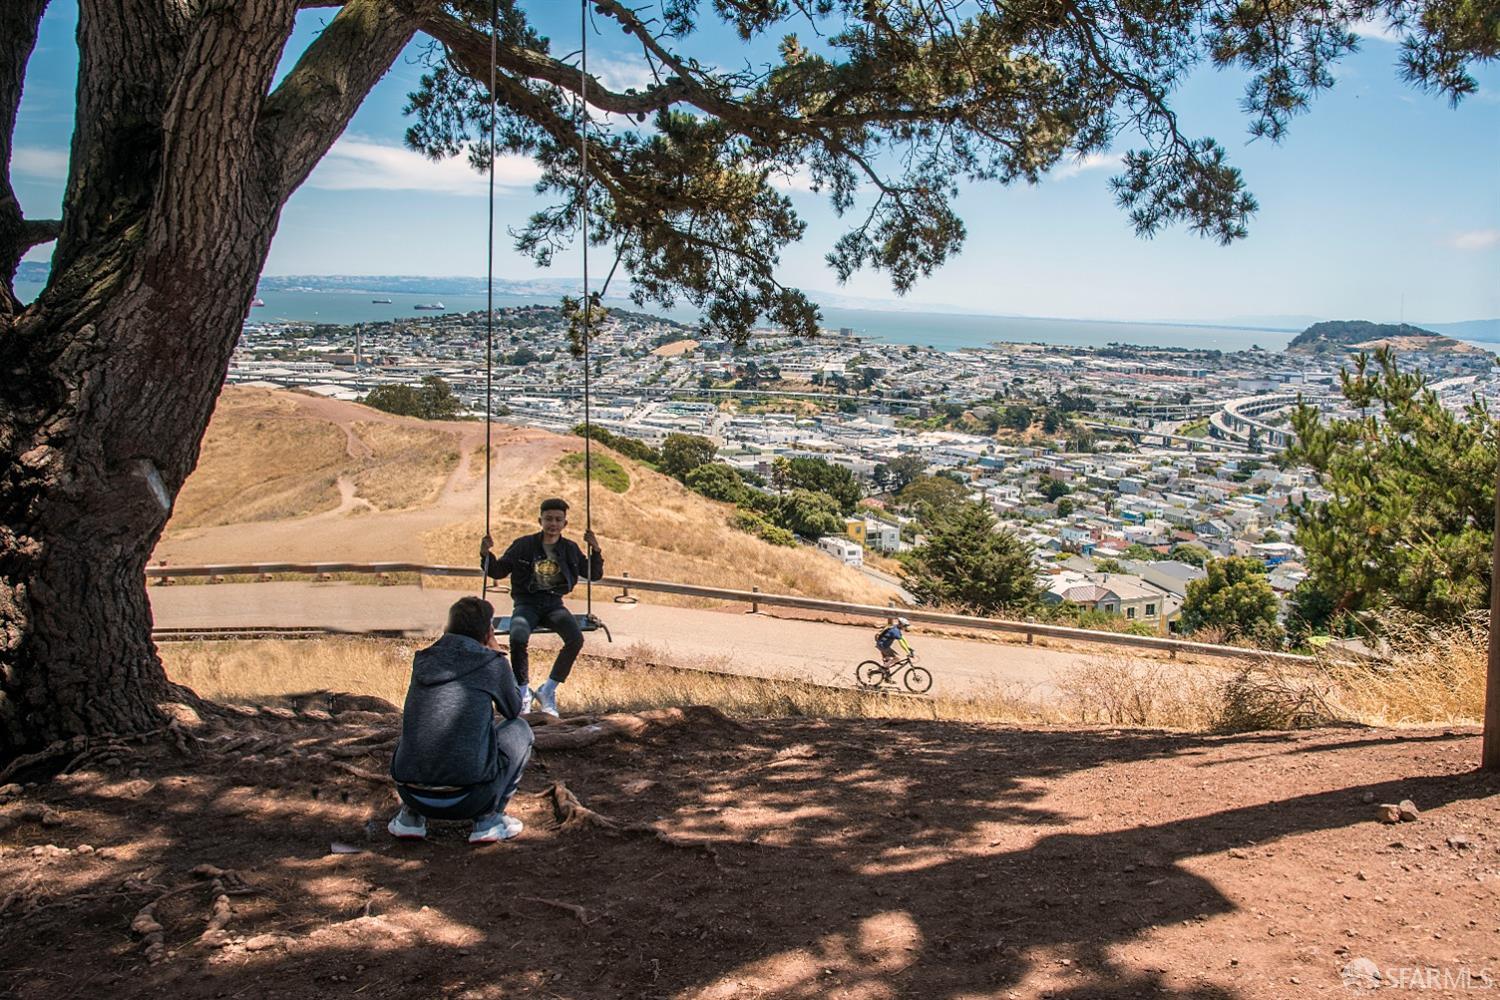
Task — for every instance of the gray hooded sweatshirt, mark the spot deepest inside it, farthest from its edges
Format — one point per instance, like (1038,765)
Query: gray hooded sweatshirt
(447,729)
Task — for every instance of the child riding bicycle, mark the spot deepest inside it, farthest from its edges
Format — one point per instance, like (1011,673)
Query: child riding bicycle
(889,637)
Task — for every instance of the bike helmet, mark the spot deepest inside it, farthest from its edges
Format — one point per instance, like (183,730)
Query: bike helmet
(903,622)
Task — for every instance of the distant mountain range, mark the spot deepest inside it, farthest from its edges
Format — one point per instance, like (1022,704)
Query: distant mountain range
(35,272)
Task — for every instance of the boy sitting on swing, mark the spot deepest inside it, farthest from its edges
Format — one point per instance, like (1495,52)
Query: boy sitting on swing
(543,568)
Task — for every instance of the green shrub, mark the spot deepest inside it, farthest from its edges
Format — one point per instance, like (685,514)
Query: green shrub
(717,481)
(605,471)
(753,524)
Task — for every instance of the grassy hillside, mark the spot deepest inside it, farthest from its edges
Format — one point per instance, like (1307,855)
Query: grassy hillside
(289,476)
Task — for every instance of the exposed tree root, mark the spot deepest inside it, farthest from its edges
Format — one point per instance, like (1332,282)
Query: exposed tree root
(358,772)
(572,814)
(222,883)
(50,752)
(584,916)
(584,731)
(17,813)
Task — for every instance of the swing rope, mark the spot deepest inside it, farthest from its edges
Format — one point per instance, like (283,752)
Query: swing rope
(588,305)
(489,300)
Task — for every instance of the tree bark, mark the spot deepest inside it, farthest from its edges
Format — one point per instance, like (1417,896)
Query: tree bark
(176,184)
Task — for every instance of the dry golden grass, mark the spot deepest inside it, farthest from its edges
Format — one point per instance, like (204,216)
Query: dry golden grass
(266,671)
(1120,691)
(675,348)
(262,461)
(1112,691)
(1435,673)
(406,466)
(267,458)
(274,456)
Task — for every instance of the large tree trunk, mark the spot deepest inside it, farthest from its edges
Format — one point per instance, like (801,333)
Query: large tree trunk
(180,166)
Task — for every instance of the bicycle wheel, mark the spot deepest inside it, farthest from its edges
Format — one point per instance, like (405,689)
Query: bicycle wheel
(871,674)
(918,680)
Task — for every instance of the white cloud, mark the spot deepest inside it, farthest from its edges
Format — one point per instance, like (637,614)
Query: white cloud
(358,164)
(1093,161)
(621,74)
(34,161)
(1475,239)
(1378,30)
(799,180)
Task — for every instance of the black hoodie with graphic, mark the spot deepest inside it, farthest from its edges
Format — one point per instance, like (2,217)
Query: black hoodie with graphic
(447,726)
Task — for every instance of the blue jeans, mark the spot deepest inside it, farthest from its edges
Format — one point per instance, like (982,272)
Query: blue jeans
(559,619)
(513,741)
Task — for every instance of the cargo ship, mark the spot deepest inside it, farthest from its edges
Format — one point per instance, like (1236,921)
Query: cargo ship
(429,305)
(381,302)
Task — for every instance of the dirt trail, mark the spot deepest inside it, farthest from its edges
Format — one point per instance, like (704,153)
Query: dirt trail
(802,859)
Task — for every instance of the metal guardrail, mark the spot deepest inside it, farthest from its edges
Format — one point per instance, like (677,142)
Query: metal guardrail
(755,598)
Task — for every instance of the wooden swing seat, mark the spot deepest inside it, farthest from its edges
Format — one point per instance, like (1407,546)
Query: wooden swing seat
(585,623)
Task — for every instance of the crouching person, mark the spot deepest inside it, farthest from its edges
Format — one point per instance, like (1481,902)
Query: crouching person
(456,759)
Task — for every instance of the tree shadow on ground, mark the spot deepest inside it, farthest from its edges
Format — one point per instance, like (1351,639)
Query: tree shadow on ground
(851,858)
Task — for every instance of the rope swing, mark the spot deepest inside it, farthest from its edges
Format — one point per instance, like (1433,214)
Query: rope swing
(587,622)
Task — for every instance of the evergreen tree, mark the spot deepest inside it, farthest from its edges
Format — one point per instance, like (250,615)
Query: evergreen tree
(682,453)
(716,481)
(822,477)
(1411,517)
(432,399)
(905,468)
(929,497)
(810,513)
(1193,555)
(967,563)
(1235,598)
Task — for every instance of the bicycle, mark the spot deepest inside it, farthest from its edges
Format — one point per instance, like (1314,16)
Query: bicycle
(873,674)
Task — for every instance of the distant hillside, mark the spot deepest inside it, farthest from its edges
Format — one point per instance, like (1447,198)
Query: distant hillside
(1343,335)
(294,477)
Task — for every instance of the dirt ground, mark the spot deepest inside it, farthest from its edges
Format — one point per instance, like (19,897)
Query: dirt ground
(803,858)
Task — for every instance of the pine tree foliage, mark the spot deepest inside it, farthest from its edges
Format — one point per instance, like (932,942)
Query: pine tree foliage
(1410,518)
(968,562)
(1235,599)
(887,109)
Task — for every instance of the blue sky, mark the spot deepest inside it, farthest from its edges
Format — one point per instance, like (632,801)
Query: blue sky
(1380,194)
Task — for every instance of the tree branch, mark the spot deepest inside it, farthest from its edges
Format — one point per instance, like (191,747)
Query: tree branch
(303,116)
(35,232)
(470,50)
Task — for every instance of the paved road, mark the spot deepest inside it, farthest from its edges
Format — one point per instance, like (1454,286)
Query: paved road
(728,640)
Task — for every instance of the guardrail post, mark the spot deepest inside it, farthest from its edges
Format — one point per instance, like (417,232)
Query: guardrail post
(625,590)
(754,604)
(1030,637)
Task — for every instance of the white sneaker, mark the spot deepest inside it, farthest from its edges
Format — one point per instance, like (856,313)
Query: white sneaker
(494,828)
(407,825)
(525,698)
(546,698)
